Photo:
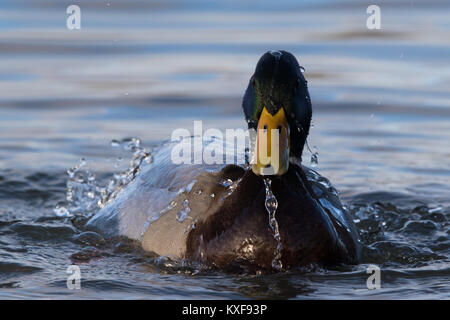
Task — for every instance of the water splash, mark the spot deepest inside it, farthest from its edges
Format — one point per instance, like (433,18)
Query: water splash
(140,156)
(271,204)
(230,185)
(85,195)
(82,192)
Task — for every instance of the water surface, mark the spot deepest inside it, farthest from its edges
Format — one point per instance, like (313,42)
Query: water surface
(381,120)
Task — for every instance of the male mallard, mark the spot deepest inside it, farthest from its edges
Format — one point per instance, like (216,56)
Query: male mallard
(228,226)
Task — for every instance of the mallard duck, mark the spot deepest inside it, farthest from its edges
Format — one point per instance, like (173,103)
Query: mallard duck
(274,215)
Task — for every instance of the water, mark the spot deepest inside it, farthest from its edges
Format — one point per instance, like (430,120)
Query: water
(183,214)
(381,125)
(271,207)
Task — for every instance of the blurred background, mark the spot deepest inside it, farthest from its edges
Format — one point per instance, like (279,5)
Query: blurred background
(381,122)
(143,68)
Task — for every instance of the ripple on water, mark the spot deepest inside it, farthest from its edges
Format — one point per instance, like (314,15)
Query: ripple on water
(10,268)
(88,253)
(43,232)
(406,236)
(89,238)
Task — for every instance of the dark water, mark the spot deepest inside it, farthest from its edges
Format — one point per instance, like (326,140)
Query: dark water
(381,119)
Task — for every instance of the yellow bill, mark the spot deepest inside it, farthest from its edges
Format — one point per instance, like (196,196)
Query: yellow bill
(272,144)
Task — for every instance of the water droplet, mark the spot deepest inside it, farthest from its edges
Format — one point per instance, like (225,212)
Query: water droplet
(314,159)
(148,159)
(71,172)
(61,211)
(79,177)
(114,143)
(302,69)
(131,144)
(277,54)
(190,185)
(183,213)
(91,177)
(171,205)
(191,226)
(226,183)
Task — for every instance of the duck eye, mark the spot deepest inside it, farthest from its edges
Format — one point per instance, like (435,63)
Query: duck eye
(253,82)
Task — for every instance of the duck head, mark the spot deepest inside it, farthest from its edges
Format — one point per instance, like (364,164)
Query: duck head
(278,107)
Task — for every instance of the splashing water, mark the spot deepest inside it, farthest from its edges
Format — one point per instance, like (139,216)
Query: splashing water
(271,207)
(84,193)
(230,185)
(314,157)
(81,186)
(121,179)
